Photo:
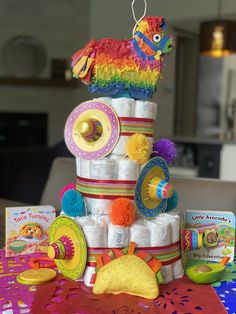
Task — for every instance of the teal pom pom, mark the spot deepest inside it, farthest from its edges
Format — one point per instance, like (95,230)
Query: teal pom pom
(172,202)
(73,204)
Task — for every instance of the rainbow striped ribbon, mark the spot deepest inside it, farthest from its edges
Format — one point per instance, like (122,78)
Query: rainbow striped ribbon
(105,189)
(166,254)
(130,126)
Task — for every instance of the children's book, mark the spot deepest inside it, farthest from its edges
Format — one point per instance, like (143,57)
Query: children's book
(27,229)
(212,234)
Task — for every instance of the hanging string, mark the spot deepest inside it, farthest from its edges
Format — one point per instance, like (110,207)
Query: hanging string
(219,9)
(134,16)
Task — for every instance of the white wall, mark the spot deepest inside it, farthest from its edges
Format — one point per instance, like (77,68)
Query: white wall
(114,17)
(64,27)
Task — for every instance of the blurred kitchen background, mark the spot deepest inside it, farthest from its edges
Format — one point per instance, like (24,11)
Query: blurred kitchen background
(196,98)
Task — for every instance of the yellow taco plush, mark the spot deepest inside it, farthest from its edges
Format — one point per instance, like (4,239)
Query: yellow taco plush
(128,274)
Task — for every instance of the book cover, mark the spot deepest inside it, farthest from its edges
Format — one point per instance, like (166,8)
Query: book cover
(215,234)
(27,229)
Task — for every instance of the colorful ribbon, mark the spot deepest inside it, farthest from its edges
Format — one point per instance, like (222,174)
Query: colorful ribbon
(105,189)
(167,255)
(130,126)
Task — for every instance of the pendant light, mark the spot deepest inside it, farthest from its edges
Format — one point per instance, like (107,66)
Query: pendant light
(218,37)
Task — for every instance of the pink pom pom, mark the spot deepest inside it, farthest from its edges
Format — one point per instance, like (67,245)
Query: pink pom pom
(67,187)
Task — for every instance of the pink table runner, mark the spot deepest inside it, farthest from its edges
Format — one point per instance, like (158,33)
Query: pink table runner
(66,296)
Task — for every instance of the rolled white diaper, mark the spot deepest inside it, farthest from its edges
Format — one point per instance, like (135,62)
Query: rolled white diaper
(117,236)
(120,148)
(103,169)
(145,109)
(175,225)
(160,235)
(124,107)
(95,233)
(177,266)
(82,221)
(160,232)
(127,169)
(178,270)
(101,219)
(115,157)
(139,233)
(97,206)
(88,276)
(106,100)
(77,166)
(82,167)
(167,273)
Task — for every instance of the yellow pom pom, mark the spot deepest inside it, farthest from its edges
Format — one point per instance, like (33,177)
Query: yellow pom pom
(139,148)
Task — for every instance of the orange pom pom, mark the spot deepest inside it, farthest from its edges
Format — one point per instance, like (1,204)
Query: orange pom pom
(122,212)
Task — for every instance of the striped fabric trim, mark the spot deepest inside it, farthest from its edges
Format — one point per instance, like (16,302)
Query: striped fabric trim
(166,254)
(130,126)
(106,189)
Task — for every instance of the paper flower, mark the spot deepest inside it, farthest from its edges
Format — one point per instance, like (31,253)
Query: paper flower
(229,275)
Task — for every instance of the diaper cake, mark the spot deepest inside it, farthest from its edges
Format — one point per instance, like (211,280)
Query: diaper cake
(117,216)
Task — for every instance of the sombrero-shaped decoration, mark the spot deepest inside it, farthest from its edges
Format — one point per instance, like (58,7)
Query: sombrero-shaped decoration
(153,188)
(68,247)
(92,130)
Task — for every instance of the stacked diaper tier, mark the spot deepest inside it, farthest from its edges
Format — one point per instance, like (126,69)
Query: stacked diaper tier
(101,181)
(136,116)
(160,237)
